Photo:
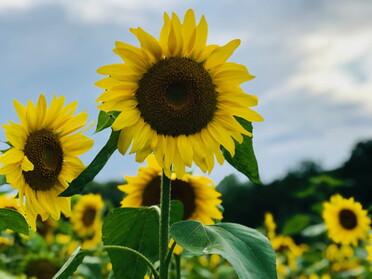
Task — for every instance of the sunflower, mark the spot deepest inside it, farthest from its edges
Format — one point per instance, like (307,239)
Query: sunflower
(177,96)
(345,220)
(10,203)
(43,155)
(86,215)
(197,193)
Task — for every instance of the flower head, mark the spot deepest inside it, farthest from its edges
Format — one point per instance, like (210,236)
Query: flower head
(177,96)
(197,193)
(43,156)
(345,220)
(86,215)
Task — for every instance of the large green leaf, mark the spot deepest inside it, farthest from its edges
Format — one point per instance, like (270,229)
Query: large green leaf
(244,160)
(71,264)
(248,251)
(105,119)
(13,220)
(136,228)
(2,180)
(87,175)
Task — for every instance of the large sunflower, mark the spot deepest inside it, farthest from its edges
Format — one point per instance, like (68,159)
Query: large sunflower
(197,193)
(177,96)
(43,156)
(345,220)
(86,215)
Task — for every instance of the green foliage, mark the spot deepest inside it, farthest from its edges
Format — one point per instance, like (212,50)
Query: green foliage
(244,160)
(105,119)
(138,229)
(71,264)
(13,220)
(87,175)
(248,251)
(2,180)
(296,224)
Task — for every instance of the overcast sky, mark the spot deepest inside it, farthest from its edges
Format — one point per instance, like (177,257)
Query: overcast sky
(312,61)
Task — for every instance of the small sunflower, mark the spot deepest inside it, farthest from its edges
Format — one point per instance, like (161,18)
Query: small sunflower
(177,96)
(10,203)
(86,215)
(345,220)
(43,156)
(197,193)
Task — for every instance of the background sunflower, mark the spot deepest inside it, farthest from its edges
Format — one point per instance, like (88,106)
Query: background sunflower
(86,216)
(43,155)
(197,193)
(345,220)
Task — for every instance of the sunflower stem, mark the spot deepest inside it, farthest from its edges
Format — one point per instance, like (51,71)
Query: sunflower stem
(164,225)
(178,266)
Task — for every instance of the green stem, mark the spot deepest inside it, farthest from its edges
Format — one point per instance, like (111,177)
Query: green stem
(178,266)
(164,225)
(116,247)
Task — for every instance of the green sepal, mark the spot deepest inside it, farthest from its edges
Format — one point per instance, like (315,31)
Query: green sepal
(105,120)
(244,160)
(248,251)
(13,220)
(87,175)
(136,228)
(71,264)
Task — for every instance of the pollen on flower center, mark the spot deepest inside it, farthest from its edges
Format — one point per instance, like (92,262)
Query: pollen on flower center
(180,190)
(348,219)
(176,96)
(43,148)
(89,216)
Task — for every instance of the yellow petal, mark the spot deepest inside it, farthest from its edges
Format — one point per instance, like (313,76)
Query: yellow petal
(126,119)
(200,39)
(26,164)
(13,155)
(221,54)
(148,43)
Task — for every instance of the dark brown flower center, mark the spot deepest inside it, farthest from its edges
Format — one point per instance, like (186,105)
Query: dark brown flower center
(348,219)
(43,148)
(180,190)
(41,269)
(177,97)
(88,216)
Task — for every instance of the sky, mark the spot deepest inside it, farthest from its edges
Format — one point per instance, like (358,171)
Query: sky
(312,61)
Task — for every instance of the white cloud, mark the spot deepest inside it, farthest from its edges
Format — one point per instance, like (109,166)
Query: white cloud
(337,64)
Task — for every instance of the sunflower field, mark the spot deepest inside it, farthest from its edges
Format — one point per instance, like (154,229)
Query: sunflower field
(177,104)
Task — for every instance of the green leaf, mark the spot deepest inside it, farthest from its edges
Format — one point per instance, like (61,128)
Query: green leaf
(136,228)
(13,220)
(248,251)
(296,224)
(71,264)
(87,175)
(176,211)
(244,160)
(2,180)
(105,119)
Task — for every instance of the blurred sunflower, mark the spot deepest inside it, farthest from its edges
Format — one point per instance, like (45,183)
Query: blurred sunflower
(43,156)
(345,220)
(86,215)
(177,96)
(197,193)
(5,242)
(10,203)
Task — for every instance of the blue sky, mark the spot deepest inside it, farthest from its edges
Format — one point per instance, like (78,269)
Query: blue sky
(312,61)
